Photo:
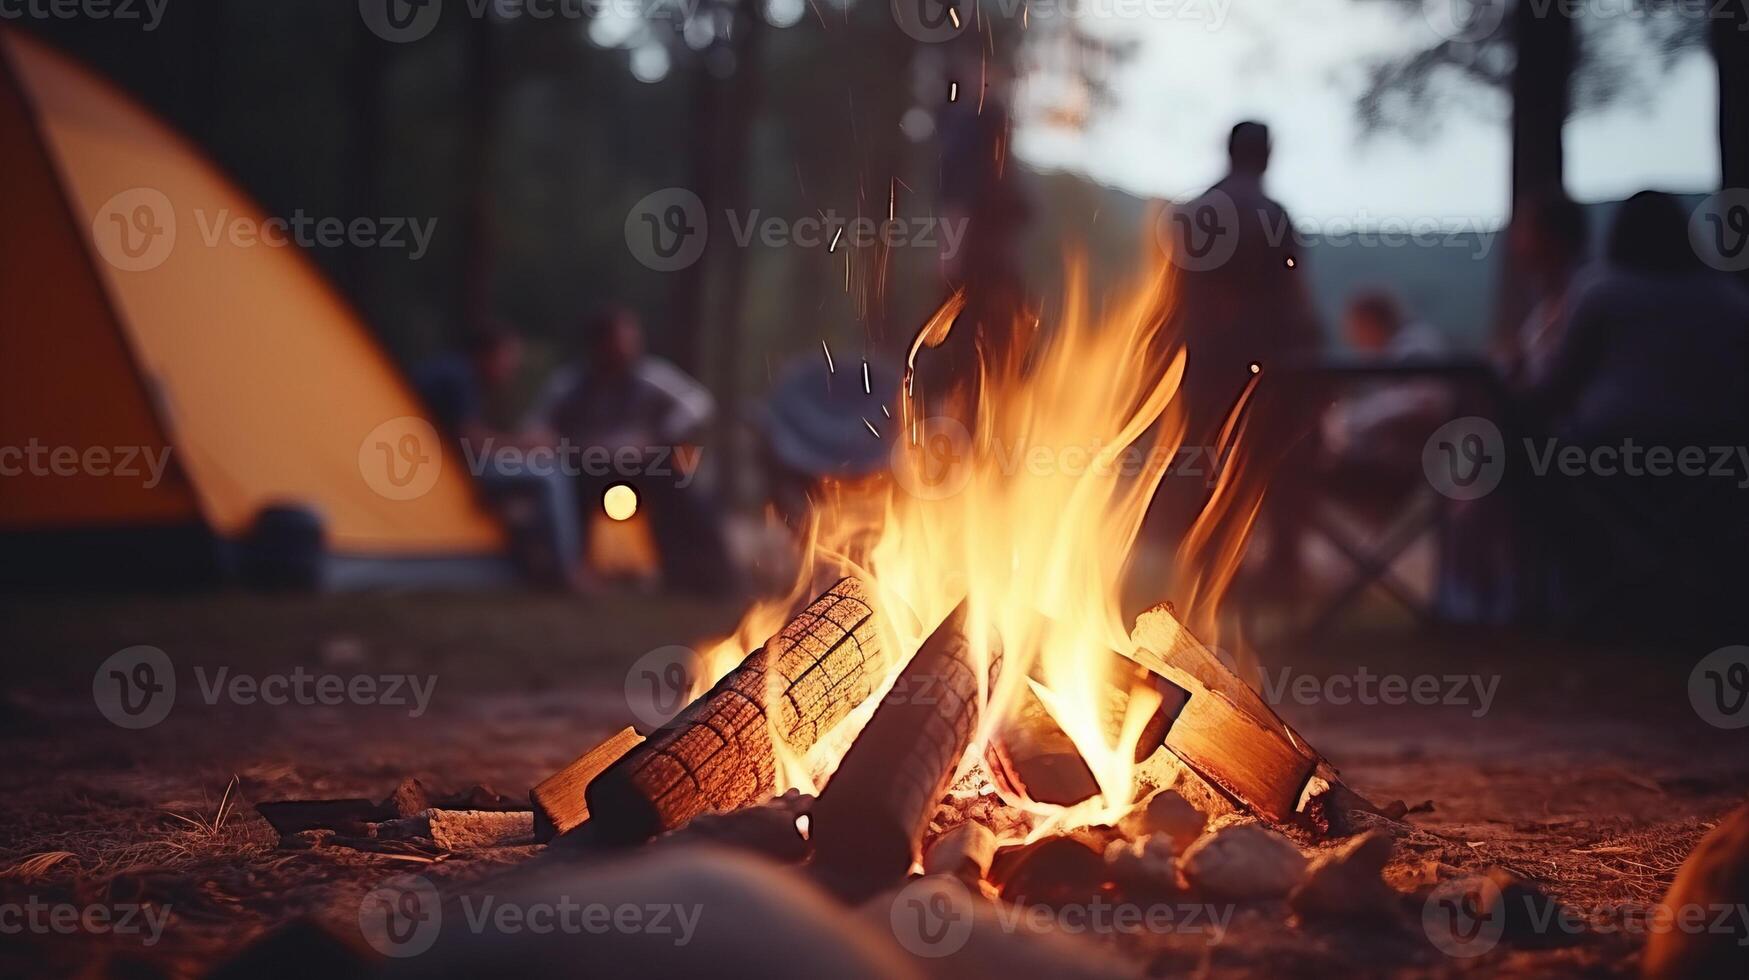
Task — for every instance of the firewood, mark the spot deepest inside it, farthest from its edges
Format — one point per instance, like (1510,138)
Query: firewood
(1031,756)
(1226,731)
(964,852)
(718,753)
(558,799)
(869,821)
(352,816)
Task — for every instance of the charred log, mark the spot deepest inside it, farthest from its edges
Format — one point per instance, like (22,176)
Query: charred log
(718,754)
(869,822)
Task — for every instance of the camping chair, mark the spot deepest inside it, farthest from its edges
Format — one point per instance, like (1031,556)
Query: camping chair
(1420,512)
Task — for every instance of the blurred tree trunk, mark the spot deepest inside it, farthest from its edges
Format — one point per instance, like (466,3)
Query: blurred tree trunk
(688,313)
(707,325)
(1730,44)
(745,95)
(364,147)
(484,90)
(1542,75)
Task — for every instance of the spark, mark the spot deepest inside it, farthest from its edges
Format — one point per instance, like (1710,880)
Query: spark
(865,385)
(953,14)
(835,236)
(830,367)
(885,412)
(1290,262)
(871,428)
(953,91)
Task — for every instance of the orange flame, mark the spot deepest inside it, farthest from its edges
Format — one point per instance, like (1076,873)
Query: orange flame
(1022,493)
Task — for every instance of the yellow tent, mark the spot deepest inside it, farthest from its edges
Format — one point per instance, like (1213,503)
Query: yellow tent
(160,385)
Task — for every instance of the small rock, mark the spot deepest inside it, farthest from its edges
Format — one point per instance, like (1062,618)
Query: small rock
(1054,871)
(1147,866)
(409,799)
(1243,862)
(306,840)
(1346,882)
(964,852)
(1715,876)
(1166,812)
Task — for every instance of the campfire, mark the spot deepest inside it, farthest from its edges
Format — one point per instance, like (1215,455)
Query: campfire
(953,642)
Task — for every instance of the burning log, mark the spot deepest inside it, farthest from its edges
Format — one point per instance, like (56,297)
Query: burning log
(1226,732)
(1033,756)
(718,754)
(558,801)
(868,825)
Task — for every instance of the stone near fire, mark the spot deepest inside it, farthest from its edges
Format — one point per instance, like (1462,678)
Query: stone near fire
(1346,881)
(1715,876)
(1243,862)
(1053,871)
(953,932)
(964,852)
(682,912)
(1166,812)
(1146,867)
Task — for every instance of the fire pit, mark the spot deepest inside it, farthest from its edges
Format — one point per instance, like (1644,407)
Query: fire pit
(964,664)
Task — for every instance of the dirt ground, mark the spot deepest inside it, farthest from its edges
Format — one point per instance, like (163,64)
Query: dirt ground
(1588,773)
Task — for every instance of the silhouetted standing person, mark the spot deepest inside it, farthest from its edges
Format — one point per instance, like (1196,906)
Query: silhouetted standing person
(1242,299)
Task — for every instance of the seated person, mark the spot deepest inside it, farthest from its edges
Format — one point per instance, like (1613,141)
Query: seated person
(645,417)
(1373,435)
(1657,345)
(1656,351)
(537,506)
